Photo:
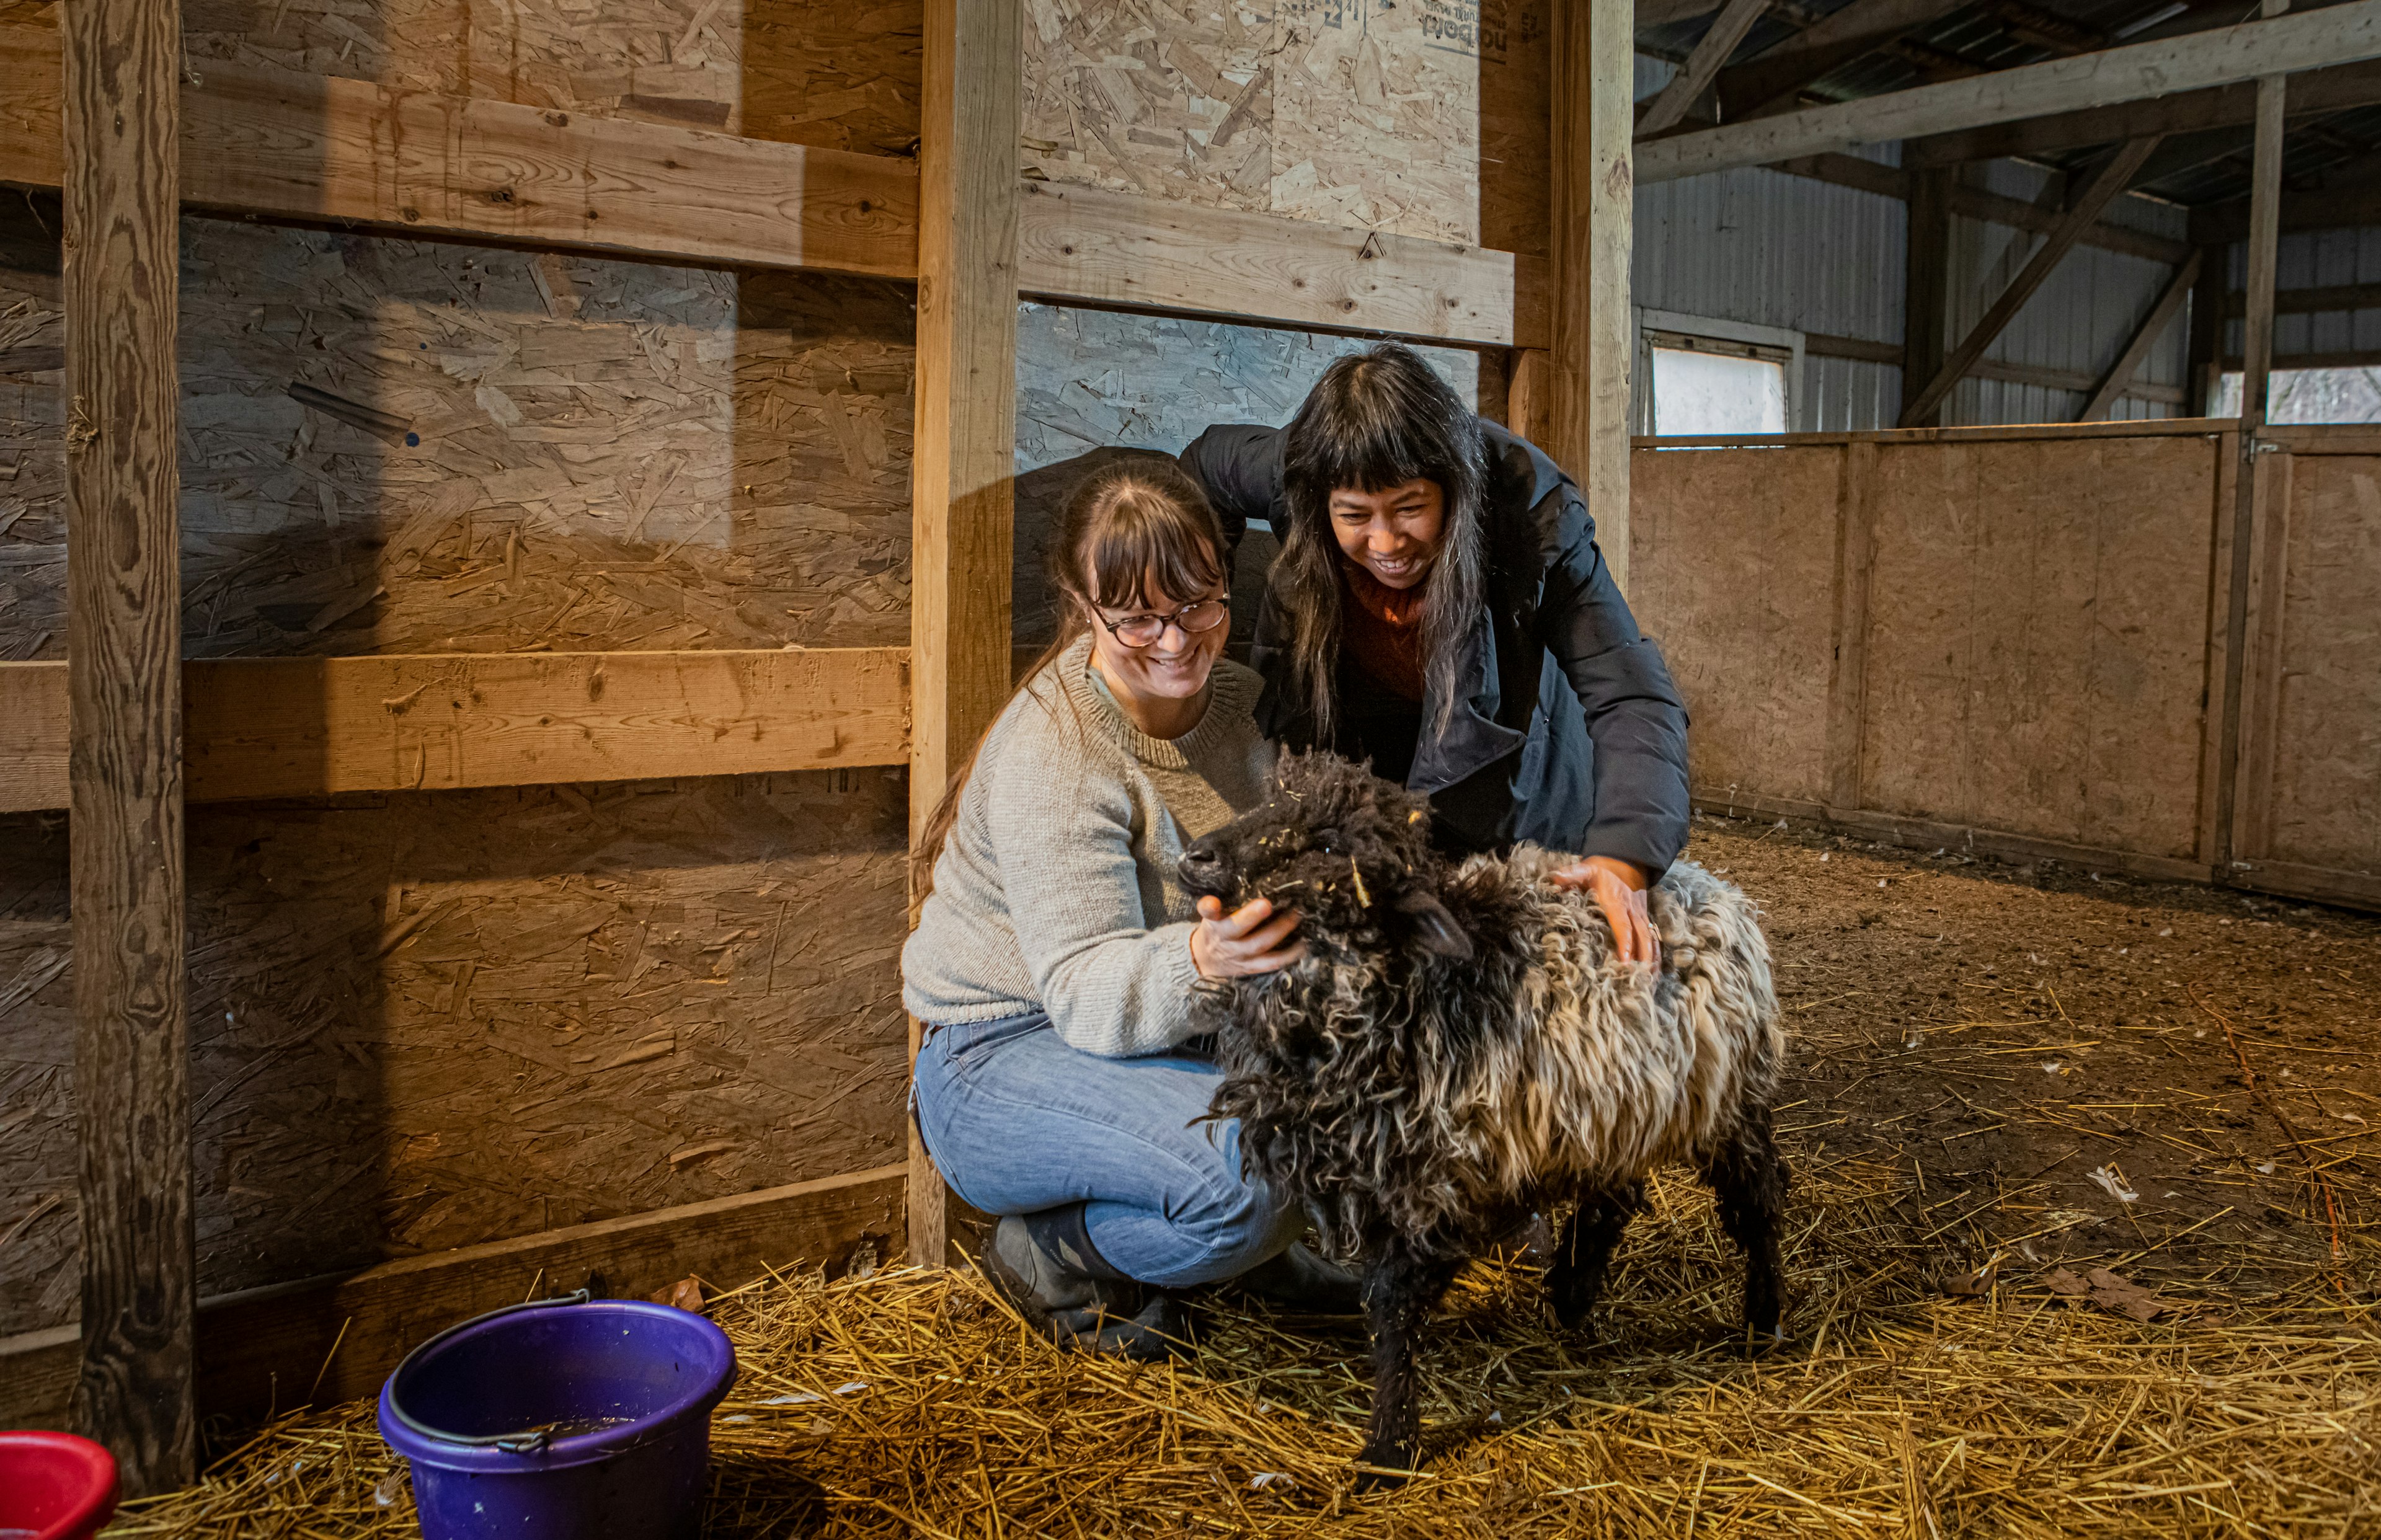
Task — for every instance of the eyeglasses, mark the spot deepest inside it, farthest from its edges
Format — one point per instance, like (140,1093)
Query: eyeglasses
(1142,631)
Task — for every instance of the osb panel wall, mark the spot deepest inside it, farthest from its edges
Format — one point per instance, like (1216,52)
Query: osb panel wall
(520,452)
(1426,118)
(1733,571)
(2319,703)
(1089,381)
(2038,637)
(422,1023)
(840,76)
(433,1021)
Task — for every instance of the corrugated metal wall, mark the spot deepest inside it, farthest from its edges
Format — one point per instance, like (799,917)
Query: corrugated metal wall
(1771,249)
(2317,259)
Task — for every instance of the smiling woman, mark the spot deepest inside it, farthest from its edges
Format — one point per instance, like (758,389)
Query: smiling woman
(1440,609)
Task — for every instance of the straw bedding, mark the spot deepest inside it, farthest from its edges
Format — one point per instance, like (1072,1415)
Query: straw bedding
(908,1403)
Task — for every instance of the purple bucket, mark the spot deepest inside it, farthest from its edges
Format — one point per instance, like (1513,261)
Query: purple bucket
(561,1419)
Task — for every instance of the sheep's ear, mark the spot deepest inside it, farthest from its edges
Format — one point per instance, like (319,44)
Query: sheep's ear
(1434,927)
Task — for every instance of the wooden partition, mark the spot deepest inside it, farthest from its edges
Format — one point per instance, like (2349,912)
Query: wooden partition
(1998,637)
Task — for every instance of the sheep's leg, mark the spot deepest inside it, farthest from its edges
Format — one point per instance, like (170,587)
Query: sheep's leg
(1583,1259)
(1748,1177)
(1401,1287)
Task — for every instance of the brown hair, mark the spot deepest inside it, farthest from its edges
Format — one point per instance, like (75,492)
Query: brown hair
(1127,532)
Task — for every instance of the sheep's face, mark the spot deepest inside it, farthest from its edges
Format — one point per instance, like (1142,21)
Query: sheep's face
(1347,849)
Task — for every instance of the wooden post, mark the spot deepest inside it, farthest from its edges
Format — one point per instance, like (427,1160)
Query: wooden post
(124,617)
(1587,415)
(2256,368)
(1695,76)
(962,513)
(1926,308)
(2207,328)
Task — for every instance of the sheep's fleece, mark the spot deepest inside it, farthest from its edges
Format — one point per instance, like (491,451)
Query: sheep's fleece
(1392,1080)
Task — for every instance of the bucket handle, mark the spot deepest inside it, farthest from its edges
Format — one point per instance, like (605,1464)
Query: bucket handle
(510,1443)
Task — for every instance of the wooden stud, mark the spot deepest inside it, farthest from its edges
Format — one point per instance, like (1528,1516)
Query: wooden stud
(2105,184)
(1718,42)
(1926,308)
(962,510)
(2256,368)
(123,621)
(2112,385)
(1587,431)
(2206,328)
(1527,407)
(2336,34)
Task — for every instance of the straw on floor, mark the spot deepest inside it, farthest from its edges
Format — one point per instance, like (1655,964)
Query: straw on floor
(910,1403)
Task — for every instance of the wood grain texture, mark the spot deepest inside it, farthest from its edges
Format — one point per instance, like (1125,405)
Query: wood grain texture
(1594,333)
(1703,62)
(262,1349)
(255,139)
(962,500)
(2314,690)
(259,727)
(1086,244)
(1746,619)
(124,768)
(2338,34)
(2037,638)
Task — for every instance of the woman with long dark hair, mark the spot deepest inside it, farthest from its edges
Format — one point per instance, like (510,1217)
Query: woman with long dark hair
(1440,607)
(1057,952)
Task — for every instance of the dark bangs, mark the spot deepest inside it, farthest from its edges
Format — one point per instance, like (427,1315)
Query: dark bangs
(1378,420)
(1144,531)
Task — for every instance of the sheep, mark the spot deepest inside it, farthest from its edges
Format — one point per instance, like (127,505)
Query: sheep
(1457,1049)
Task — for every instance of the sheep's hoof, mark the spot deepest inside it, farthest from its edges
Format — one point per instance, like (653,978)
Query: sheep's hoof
(1381,1474)
(1760,1344)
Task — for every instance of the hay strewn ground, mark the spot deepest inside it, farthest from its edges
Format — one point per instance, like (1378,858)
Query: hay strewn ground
(1974,1043)
(909,1404)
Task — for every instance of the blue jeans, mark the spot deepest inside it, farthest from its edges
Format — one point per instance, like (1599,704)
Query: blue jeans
(1018,1122)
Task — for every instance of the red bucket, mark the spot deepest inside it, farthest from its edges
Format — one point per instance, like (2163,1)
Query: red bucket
(53,1486)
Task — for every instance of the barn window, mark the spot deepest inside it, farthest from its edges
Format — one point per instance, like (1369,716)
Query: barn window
(2335,395)
(1705,376)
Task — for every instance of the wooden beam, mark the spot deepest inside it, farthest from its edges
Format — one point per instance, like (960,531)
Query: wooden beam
(2112,385)
(2206,328)
(124,781)
(1926,283)
(2318,209)
(1594,333)
(263,1348)
(962,505)
(1773,82)
(2345,358)
(1717,43)
(256,140)
(1528,404)
(2250,482)
(2338,34)
(315,726)
(2309,301)
(1080,244)
(2105,184)
(432,722)
(2319,91)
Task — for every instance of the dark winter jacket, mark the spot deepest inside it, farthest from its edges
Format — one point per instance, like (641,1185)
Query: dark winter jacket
(1569,732)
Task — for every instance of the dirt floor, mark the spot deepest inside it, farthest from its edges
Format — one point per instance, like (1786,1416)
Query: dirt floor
(2083,1242)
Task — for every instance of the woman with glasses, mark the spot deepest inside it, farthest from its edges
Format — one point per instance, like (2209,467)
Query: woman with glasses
(1440,608)
(1056,953)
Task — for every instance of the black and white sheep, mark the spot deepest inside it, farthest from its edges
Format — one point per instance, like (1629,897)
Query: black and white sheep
(1457,1048)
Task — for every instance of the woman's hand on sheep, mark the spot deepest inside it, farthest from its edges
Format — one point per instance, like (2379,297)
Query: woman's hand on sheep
(1618,888)
(1253,939)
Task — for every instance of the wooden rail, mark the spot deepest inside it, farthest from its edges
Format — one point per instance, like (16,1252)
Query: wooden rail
(427,722)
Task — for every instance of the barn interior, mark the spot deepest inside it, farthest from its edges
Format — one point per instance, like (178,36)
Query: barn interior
(658,408)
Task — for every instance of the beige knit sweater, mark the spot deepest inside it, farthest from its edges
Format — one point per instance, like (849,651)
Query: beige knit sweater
(1056,890)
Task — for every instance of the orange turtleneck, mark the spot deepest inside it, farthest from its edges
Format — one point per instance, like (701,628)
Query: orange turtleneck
(1380,627)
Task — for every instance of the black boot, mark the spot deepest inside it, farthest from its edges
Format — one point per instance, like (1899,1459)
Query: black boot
(1045,1264)
(1304,1281)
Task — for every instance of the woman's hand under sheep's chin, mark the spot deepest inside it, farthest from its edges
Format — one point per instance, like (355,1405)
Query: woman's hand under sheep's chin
(1250,940)
(1618,890)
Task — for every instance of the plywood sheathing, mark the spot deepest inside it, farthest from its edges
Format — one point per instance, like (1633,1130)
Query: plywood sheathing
(427,1021)
(1422,119)
(535,452)
(1090,381)
(842,77)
